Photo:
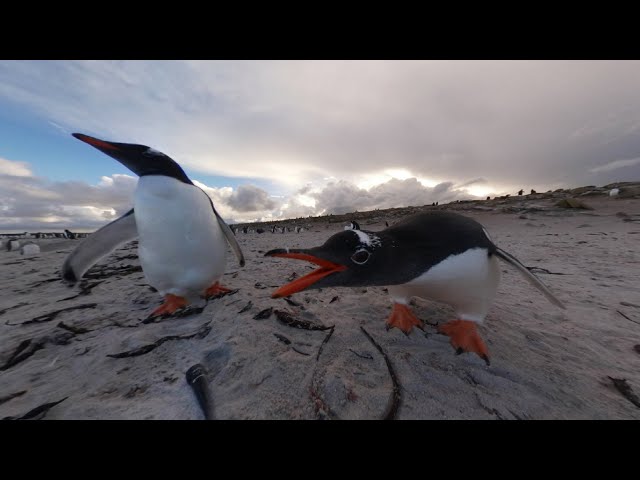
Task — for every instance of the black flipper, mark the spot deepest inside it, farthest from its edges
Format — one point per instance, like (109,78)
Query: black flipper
(98,245)
(231,238)
(530,277)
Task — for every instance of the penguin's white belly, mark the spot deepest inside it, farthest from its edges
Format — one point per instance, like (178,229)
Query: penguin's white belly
(181,246)
(468,282)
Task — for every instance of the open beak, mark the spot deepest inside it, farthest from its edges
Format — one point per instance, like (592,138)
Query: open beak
(326,268)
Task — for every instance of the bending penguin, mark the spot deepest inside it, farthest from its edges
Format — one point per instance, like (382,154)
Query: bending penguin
(181,235)
(439,256)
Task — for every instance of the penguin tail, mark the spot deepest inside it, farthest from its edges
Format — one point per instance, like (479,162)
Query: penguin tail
(530,277)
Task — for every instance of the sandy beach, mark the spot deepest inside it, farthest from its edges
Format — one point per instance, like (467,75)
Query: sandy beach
(87,344)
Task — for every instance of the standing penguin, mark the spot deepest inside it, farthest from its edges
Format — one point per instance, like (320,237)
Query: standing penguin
(440,256)
(353,225)
(181,235)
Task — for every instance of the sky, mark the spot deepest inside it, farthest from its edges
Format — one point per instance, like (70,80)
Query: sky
(269,140)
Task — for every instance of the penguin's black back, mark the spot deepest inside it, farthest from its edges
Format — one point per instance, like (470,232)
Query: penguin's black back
(419,242)
(445,233)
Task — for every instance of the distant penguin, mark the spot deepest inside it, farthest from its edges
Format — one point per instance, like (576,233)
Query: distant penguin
(488,198)
(440,256)
(353,225)
(260,230)
(533,192)
(182,246)
(614,192)
(30,249)
(520,192)
(70,235)
(386,224)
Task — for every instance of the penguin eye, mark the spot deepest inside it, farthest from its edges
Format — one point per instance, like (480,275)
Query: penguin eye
(360,257)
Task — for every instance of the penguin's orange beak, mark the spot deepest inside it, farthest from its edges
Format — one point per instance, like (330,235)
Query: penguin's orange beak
(95,142)
(326,268)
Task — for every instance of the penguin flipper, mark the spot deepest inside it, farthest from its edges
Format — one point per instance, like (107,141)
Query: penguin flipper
(530,277)
(98,245)
(231,238)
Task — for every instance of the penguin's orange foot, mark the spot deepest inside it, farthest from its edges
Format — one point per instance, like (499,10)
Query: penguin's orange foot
(464,337)
(216,290)
(403,318)
(170,305)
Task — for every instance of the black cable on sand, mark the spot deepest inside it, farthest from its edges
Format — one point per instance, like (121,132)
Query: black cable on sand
(196,377)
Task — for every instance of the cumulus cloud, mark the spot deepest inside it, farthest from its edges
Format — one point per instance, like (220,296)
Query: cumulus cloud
(34,203)
(249,198)
(15,169)
(247,203)
(344,197)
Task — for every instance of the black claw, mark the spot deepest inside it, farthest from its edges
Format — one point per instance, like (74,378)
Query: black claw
(486,359)
(459,351)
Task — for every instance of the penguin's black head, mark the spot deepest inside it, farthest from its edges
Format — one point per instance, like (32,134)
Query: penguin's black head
(347,259)
(140,159)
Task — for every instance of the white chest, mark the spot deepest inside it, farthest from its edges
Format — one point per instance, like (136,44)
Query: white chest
(181,246)
(468,282)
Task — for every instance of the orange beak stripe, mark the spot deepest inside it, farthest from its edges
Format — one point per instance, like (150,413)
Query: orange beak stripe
(97,143)
(326,268)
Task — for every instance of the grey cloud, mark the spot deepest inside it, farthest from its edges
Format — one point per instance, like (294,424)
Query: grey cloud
(616,164)
(441,188)
(344,197)
(304,190)
(35,203)
(32,203)
(249,198)
(475,181)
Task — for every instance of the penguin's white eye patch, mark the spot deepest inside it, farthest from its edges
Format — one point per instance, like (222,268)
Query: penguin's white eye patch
(151,151)
(360,257)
